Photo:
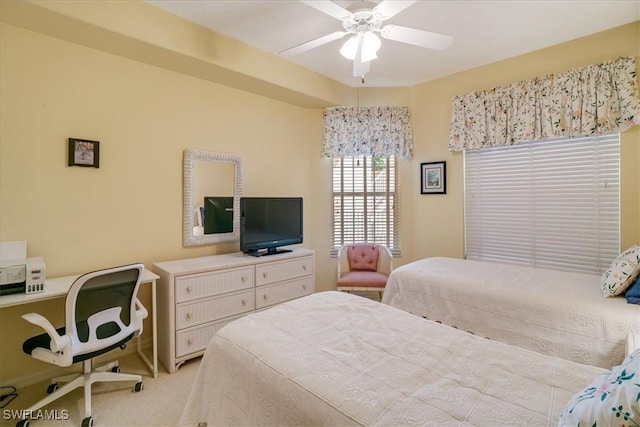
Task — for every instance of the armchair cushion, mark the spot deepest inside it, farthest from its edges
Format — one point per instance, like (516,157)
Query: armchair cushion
(363,257)
(363,279)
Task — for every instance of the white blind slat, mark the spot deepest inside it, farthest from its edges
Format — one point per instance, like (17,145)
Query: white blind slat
(552,203)
(365,201)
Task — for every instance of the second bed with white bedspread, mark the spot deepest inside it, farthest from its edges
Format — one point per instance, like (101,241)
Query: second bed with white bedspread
(557,313)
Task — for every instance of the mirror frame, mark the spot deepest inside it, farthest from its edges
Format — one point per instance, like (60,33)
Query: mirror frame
(190,157)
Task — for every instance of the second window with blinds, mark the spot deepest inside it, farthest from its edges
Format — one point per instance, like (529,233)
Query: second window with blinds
(365,201)
(551,204)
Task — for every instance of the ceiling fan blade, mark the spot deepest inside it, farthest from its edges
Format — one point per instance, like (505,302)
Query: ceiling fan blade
(328,7)
(389,8)
(416,37)
(312,44)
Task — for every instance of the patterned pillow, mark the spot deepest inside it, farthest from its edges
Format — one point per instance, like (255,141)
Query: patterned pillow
(621,273)
(612,399)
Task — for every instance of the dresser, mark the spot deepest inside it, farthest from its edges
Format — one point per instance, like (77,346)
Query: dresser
(198,296)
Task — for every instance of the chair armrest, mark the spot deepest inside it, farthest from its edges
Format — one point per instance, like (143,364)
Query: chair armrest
(58,342)
(141,309)
(141,313)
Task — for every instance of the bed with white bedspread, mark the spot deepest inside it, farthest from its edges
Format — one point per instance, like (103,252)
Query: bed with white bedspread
(557,313)
(336,359)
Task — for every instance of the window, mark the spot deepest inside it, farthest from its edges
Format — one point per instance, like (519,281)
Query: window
(365,201)
(550,204)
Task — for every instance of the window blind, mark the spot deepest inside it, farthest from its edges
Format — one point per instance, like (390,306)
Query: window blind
(365,201)
(551,204)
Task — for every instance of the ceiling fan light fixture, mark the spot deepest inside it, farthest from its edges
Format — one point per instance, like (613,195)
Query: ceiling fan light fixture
(350,47)
(370,46)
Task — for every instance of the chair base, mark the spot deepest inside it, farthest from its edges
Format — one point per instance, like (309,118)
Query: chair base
(106,373)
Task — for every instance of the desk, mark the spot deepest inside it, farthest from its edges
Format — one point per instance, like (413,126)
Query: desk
(59,287)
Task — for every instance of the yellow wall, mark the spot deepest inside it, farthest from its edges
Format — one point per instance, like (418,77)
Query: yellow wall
(130,209)
(145,113)
(437,221)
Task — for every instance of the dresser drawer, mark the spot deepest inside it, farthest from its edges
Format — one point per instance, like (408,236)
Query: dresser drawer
(197,338)
(283,270)
(197,286)
(203,311)
(284,291)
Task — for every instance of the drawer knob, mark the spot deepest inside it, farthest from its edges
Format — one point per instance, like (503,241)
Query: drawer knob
(304,287)
(243,279)
(244,302)
(189,314)
(189,341)
(264,274)
(304,267)
(264,296)
(188,289)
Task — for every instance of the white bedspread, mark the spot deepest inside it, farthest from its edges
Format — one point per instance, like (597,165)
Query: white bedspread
(557,313)
(334,359)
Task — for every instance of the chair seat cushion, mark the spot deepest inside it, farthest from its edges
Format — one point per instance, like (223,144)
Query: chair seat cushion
(44,341)
(364,279)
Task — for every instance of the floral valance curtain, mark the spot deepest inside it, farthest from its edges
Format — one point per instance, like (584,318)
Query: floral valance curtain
(367,131)
(600,98)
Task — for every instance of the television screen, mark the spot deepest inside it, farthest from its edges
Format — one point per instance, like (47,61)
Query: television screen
(268,223)
(218,215)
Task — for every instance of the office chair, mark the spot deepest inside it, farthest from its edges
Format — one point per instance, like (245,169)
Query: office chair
(364,267)
(102,312)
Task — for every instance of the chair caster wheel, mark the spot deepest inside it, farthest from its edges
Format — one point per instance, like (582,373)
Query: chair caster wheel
(116,369)
(87,422)
(22,423)
(52,387)
(138,387)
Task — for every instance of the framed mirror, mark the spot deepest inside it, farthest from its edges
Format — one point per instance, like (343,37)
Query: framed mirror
(212,190)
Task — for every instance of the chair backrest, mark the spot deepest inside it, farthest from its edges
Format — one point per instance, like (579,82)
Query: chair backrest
(362,254)
(101,308)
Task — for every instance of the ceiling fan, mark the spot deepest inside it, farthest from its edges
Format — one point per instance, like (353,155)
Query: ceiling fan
(362,21)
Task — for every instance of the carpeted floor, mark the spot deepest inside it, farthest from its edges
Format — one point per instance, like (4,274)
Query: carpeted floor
(160,403)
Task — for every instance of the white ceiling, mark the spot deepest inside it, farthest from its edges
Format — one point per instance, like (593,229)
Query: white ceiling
(484,31)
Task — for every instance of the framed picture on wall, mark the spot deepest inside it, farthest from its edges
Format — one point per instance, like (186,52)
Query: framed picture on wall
(83,152)
(433,179)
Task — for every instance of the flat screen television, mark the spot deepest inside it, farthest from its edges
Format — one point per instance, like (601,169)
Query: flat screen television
(266,223)
(218,215)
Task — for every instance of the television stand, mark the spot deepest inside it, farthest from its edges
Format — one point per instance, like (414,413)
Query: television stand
(270,251)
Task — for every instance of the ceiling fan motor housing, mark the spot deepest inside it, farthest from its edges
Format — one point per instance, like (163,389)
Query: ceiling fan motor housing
(363,18)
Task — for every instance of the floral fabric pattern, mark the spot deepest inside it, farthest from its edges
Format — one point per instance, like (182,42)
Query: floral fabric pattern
(597,99)
(612,399)
(367,131)
(621,273)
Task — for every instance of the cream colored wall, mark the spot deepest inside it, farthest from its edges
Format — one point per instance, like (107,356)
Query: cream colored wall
(130,209)
(433,225)
(146,115)
(435,222)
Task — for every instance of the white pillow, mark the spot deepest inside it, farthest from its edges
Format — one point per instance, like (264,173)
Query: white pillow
(621,273)
(612,399)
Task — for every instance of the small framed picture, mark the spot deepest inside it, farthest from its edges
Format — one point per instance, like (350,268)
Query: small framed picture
(83,152)
(433,178)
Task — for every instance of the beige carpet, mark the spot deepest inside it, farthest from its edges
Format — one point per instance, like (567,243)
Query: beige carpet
(160,403)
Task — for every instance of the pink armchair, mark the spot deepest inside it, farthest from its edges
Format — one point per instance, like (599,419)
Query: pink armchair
(364,267)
